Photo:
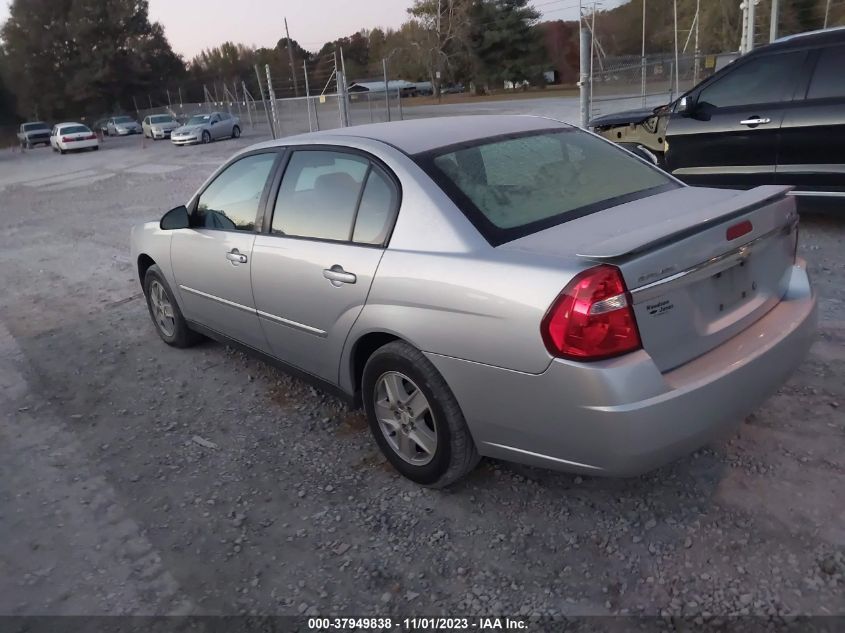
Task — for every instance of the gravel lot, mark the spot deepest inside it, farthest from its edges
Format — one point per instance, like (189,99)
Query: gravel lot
(139,479)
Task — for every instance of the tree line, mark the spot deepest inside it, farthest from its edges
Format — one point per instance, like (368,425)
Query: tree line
(69,58)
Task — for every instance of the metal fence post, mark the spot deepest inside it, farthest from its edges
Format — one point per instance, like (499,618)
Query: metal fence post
(345,92)
(263,101)
(307,95)
(399,95)
(247,103)
(642,57)
(272,95)
(370,105)
(386,91)
(583,88)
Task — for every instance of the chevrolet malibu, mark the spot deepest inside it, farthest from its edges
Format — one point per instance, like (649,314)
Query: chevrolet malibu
(495,285)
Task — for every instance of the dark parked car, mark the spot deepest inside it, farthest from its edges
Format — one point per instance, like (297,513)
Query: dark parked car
(774,116)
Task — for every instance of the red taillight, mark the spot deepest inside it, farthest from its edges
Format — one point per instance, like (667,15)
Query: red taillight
(592,318)
(738,230)
(67,139)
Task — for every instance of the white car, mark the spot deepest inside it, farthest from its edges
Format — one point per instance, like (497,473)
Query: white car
(158,126)
(122,126)
(65,137)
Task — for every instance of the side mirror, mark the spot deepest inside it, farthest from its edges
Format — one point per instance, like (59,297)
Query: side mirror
(686,105)
(175,219)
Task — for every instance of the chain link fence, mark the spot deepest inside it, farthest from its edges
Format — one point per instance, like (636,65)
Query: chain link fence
(626,83)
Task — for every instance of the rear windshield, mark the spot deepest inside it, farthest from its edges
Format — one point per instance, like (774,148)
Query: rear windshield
(30,127)
(74,129)
(516,185)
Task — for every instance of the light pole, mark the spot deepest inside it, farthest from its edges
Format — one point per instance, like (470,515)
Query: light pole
(642,57)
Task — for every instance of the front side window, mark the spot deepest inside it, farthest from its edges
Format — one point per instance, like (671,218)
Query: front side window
(319,195)
(828,80)
(766,79)
(518,185)
(231,201)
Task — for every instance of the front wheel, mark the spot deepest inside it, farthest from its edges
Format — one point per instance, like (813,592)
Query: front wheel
(236,132)
(164,311)
(206,138)
(415,418)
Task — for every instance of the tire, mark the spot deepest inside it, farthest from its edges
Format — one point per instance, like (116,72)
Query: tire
(173,331)
(206,137)
(96,148)
(236,132)
(454,454)
(62,151)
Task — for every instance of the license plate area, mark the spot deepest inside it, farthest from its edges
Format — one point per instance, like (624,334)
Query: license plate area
(732,287)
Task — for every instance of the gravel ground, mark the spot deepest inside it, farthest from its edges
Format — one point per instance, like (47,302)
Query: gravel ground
(140,479)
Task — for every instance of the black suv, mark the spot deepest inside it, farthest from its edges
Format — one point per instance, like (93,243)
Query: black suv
(773,116)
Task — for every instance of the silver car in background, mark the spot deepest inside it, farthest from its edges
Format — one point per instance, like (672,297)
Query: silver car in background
(493,285)
(204,128)
(159,126)
(122,126)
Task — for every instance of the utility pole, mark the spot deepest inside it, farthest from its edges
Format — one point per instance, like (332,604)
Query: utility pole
(743,41)
(263,101)
(749,39)
(272,95)
(169,105)
(150,99)
(642,58)
(592,49)
(180,97)
(826,13)
(290,60)
(773,22)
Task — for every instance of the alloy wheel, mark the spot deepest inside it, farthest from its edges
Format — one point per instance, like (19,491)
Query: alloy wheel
(162,309)
(405,418)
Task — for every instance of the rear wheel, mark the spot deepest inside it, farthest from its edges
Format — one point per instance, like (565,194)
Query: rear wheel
(415,418)
(164,311)
(236,132)
(62,151)
(206,137)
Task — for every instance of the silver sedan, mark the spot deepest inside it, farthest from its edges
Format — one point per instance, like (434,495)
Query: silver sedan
(204,128)
(496,285)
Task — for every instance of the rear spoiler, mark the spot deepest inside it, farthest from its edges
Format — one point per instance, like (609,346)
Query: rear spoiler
(683,225)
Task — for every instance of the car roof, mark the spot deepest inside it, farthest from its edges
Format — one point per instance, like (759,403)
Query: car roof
(810,39)
(415,136)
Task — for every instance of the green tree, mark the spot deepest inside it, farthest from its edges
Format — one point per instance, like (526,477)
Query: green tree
(439,32)
(75,57)
(504,43)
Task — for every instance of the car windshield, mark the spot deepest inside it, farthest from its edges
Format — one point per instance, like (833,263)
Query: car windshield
(199,119)
(29,127)
(123,119)
(74,129)
(516,185)
(162,118)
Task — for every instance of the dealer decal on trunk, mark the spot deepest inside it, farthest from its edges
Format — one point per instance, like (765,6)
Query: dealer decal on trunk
(661,307)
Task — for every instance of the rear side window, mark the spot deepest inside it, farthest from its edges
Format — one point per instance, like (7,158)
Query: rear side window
(515,186)
(231,201)
(766,79)
(828,79)
(336,196)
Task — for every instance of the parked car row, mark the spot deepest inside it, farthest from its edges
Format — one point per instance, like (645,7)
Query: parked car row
(63,137)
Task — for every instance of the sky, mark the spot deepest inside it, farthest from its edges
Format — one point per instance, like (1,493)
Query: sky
(193,25)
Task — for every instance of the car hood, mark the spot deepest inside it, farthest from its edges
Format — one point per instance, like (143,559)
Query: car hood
(188,129)
(623,118)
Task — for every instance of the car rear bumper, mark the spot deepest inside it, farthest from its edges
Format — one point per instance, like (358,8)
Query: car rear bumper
(622,417)
(79,145)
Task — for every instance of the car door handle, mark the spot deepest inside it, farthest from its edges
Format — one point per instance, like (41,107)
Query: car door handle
(755,121)
(236,257)
(338,276)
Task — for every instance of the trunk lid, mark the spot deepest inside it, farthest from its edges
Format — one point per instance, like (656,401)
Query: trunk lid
(692,287)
